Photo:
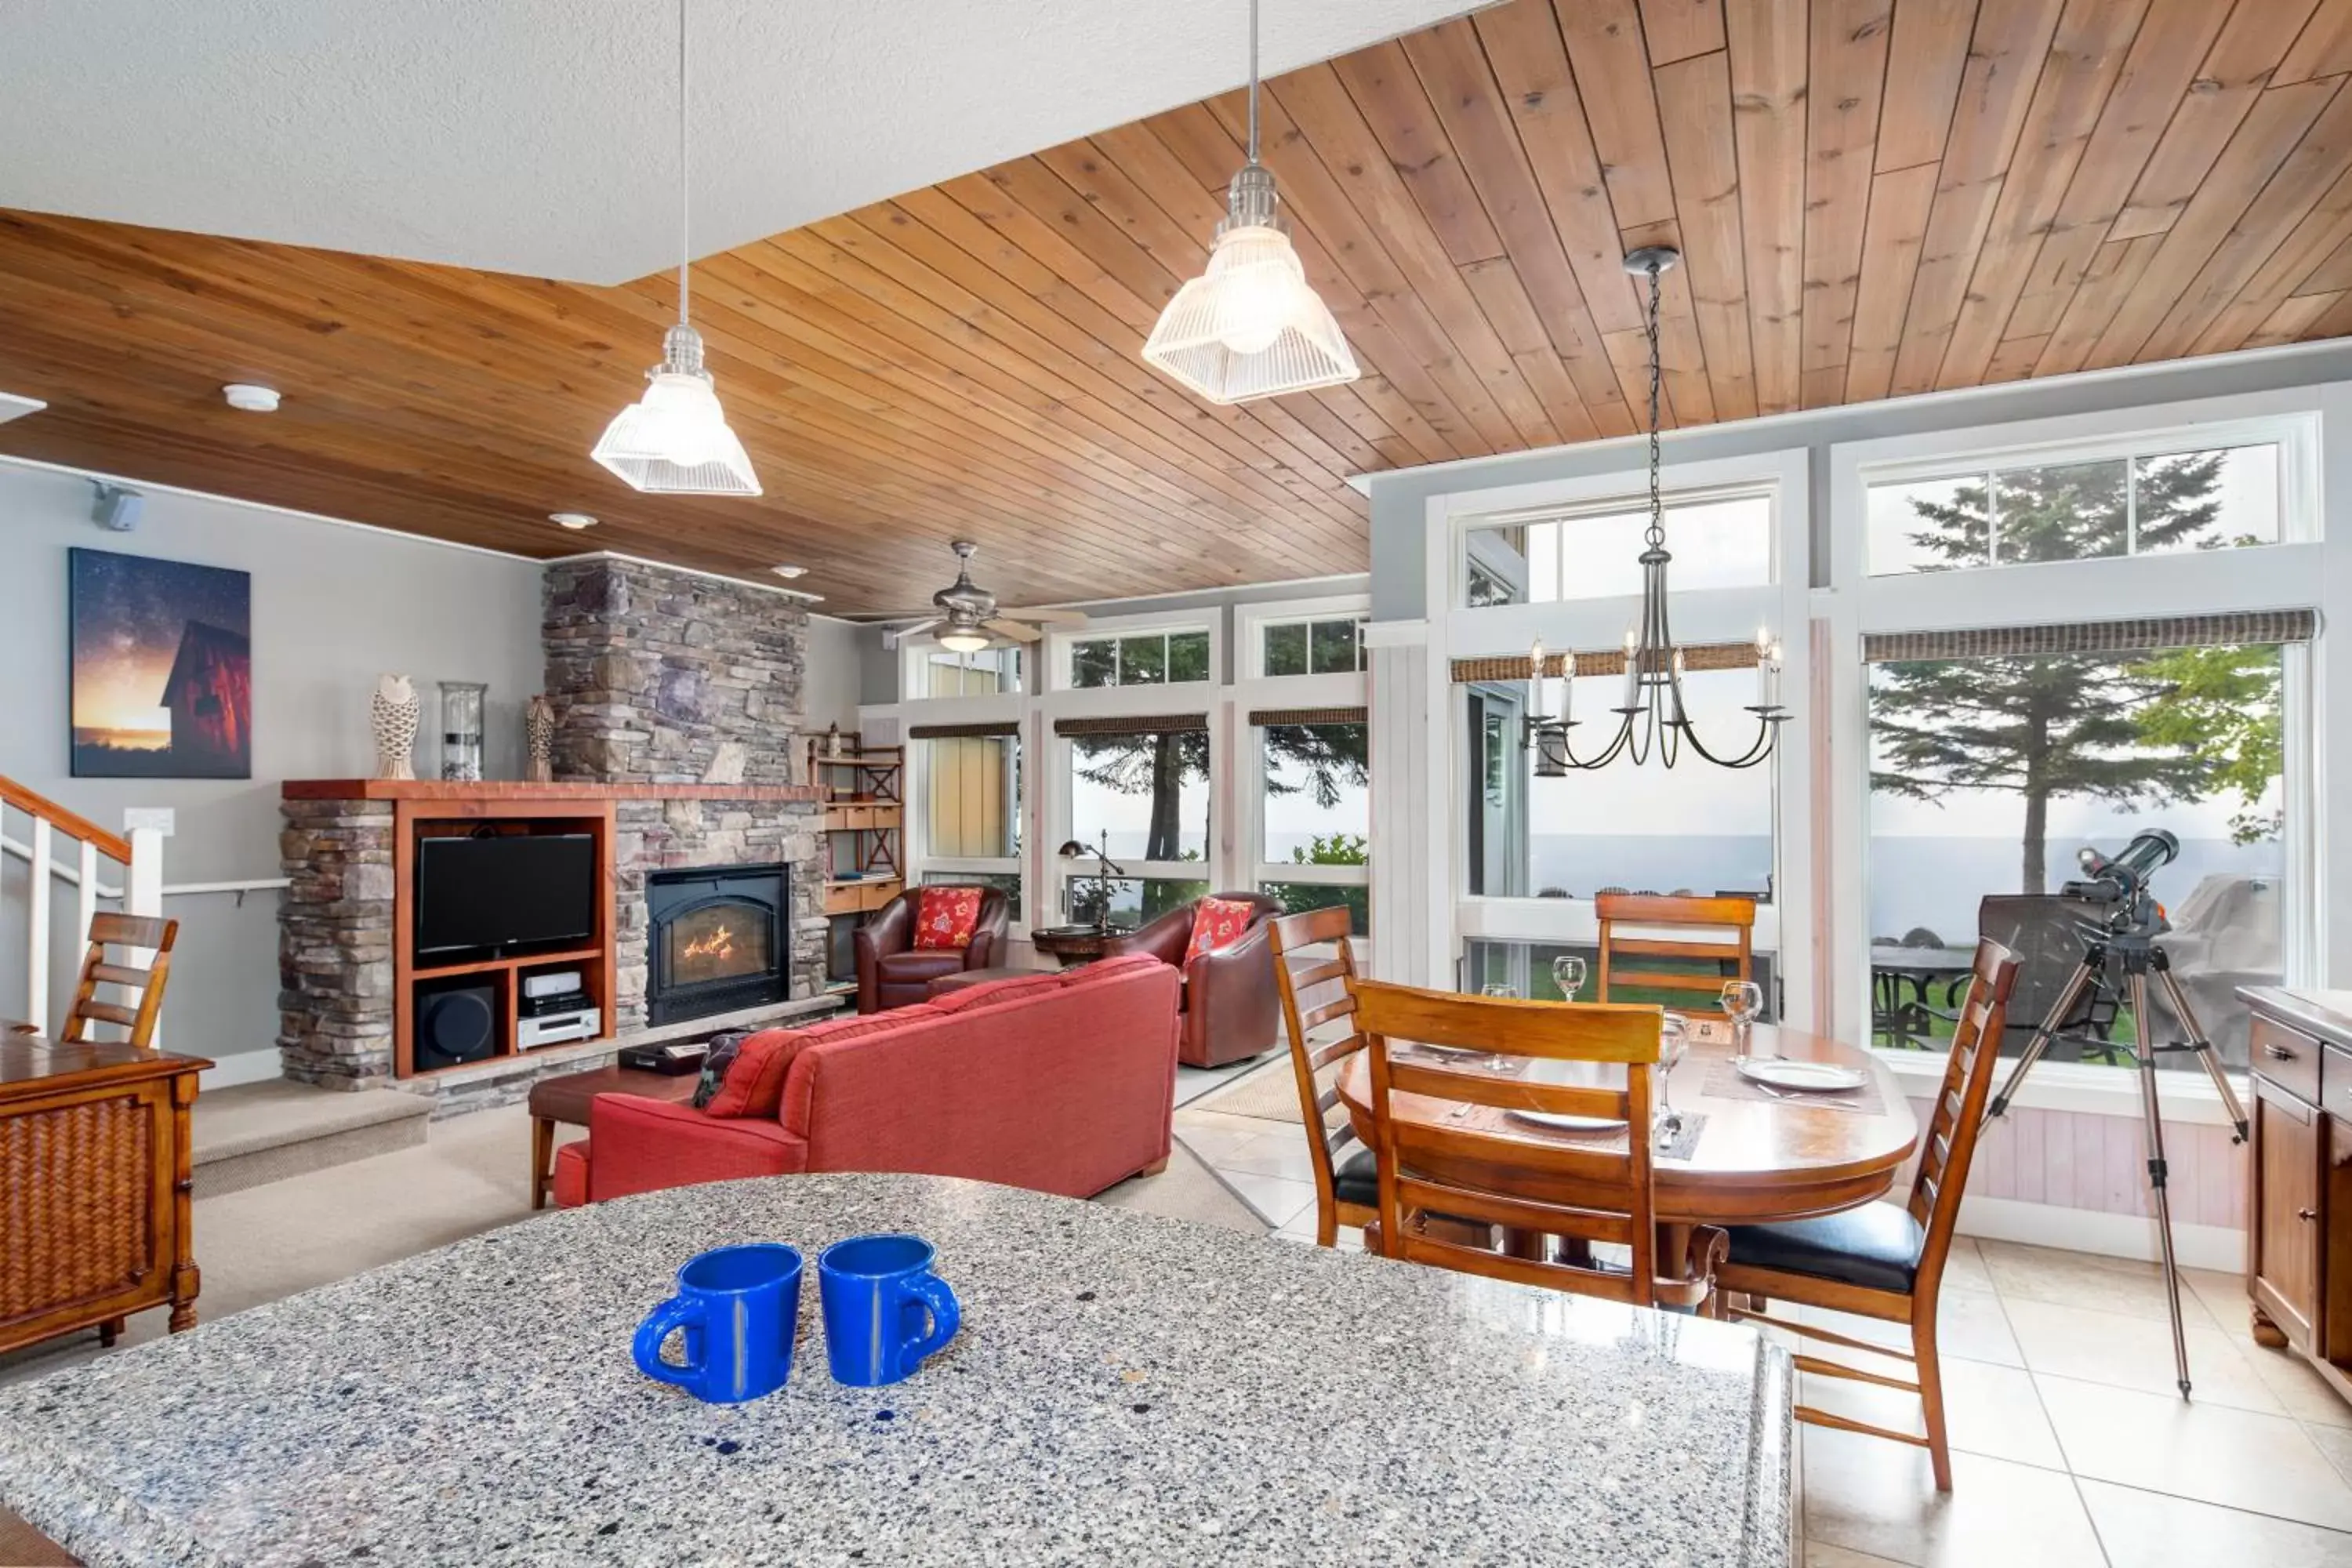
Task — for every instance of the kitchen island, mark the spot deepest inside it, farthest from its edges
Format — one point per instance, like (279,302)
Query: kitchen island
(1125,1389)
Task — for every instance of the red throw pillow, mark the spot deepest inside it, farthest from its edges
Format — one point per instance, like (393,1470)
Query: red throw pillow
(946,917)
(754,1084)
(1218,922)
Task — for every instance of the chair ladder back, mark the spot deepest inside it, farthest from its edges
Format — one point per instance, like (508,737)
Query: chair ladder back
(136,1019)
(1623,915)
(1297,976)
(1949,1144)
(1594,1191)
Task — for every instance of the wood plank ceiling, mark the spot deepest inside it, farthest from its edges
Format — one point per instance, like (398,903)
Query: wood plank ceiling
(1876,197)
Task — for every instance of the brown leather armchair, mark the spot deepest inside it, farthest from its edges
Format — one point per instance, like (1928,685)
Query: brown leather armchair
(1231,1007)
(892,972)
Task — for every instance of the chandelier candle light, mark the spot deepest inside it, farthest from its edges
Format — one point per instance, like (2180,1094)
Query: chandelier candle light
(1653,720)
(675,440)
(1251,327)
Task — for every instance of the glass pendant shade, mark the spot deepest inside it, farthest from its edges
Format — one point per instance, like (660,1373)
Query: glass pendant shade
(675,440)
(1250,327)
(963,642)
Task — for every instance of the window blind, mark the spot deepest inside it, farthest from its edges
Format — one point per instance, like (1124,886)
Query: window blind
(1136,724)
(2091,637)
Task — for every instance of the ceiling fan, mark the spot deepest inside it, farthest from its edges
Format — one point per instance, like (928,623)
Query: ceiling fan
(968,614)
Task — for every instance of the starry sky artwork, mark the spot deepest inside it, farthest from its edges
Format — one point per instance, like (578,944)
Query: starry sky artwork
(162,668)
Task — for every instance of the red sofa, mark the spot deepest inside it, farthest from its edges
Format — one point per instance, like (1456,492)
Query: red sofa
(1062,1083)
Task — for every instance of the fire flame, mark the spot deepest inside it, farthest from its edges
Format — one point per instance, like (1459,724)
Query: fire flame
(720,944)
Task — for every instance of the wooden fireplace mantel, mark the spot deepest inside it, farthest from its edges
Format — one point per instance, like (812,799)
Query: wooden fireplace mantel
(516,789)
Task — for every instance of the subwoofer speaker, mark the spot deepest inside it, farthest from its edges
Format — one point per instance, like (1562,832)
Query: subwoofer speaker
(455,1023)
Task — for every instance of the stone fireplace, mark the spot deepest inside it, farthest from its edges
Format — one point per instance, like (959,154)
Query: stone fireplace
(718,940)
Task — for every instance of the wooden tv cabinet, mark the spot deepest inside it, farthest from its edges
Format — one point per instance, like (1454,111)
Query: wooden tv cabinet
(2299,1221)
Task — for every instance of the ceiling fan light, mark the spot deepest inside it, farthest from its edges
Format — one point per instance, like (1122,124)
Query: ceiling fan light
(963,642)
(1250,326)
(675,440)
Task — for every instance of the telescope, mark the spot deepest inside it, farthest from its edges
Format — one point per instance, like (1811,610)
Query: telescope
(2112,879)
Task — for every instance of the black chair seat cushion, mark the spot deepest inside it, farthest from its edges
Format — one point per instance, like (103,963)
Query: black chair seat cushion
(1877,1246)
(1357,1179)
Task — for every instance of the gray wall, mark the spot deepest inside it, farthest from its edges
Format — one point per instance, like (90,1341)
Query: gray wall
(1400,513)
(832,684)
(332,607)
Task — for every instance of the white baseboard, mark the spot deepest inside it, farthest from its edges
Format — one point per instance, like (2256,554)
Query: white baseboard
(239,1066)
(2213,1247)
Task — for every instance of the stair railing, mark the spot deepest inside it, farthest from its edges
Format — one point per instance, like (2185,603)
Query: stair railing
(138,852)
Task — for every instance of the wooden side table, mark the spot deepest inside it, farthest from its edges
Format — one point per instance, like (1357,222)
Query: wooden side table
(1072,945)
(94,1159)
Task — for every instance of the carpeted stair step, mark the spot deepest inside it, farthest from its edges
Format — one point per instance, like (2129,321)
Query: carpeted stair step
(268,1131)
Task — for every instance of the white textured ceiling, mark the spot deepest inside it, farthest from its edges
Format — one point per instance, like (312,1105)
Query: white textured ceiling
(540,136)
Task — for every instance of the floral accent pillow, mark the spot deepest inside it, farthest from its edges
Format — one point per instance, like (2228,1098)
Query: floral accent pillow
(946,917)
(1216,923)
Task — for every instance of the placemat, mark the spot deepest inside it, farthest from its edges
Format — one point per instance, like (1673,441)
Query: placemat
(1723,1083)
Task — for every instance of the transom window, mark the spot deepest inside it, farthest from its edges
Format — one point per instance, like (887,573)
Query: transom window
(942,672)
(2007,514)
(1140,658)
(1331,645)
(1554,555)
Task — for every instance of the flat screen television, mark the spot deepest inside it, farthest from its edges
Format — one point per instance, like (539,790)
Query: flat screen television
(505,891)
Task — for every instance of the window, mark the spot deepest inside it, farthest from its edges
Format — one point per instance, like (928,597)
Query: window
(968,803)
(936,671)
(1141,788)
(2004,515)
(1144,659)
(1316,837)
(1991,766)
(1334,646)
(1695,828)
(1548,557)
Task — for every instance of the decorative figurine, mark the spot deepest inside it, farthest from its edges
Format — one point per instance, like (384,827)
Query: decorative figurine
(393,713)
(539,738)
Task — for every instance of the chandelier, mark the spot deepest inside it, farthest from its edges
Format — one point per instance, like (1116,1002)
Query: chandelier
(1652,719)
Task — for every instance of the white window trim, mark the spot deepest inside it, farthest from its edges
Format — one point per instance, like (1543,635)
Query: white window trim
(914,654)
(2308,570)
(1250,622)
(1059,641)
(913,834)
(1700,616)
(1290,691)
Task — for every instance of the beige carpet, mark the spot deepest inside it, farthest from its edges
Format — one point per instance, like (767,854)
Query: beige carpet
(1268,1094)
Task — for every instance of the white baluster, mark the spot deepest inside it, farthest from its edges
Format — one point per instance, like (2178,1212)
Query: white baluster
(36,928)
(143,887)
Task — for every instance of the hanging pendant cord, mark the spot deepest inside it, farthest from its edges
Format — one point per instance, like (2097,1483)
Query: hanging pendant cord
(1252,103)
(685,237)
(1657,530)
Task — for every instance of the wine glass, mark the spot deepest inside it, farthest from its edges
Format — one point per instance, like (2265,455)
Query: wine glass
(1743,1000)
(1497,1061)
(1568,974)
(1674,1040)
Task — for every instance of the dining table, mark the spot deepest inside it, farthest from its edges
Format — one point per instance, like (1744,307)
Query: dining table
(1756,1155)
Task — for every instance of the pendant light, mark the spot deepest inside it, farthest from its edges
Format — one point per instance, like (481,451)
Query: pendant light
(1250,327)
(675,440)
(1652,719)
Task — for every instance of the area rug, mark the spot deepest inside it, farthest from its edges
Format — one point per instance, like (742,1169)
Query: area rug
(1268,1094)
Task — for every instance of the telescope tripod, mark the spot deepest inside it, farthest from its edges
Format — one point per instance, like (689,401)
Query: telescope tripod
(2136,957)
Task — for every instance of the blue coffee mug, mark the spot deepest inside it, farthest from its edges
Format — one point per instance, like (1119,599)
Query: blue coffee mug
(885,1311)
(740,1308)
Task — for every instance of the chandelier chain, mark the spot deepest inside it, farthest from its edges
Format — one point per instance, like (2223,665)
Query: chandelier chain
(1656,534)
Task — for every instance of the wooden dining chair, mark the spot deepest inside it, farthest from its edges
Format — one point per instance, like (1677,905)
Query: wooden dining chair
(140,987)
(1631,956)
(1315,992)
(1886,1260)
(1593,1191)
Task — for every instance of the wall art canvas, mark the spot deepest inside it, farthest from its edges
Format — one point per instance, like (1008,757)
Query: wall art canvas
(162,668)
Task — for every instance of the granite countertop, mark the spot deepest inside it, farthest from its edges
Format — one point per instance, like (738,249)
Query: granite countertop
(1126,1389)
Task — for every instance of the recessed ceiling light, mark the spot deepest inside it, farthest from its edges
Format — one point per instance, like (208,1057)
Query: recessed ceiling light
(250,398)
(574,521)
(791,571)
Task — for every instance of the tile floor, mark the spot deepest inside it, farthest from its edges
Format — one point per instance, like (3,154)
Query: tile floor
(2070,1448)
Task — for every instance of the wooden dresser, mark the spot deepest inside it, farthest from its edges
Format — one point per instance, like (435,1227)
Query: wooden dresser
(2299,1225)
(93,1187)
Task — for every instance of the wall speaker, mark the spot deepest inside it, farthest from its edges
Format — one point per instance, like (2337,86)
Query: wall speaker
(455,1023)
(115,506)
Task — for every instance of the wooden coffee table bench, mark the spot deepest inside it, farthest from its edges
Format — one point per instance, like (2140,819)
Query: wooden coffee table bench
(565,1099)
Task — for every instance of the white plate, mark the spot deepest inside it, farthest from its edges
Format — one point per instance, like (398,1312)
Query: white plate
(1784,1072)
(1561,1121)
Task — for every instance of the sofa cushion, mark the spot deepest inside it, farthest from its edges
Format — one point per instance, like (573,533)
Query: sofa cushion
(992,993)
(1218,924)
(918,966)
(946,917)
(1877,1246)
(1104,968)
(755,1084)
(571,1184)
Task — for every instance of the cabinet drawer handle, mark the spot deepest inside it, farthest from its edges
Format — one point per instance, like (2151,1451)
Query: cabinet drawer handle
(2277,1053)
(2307,1214)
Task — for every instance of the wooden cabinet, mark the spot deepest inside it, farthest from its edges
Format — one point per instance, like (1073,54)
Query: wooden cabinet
(2299,1191)
(2282,1240)
(94,1163)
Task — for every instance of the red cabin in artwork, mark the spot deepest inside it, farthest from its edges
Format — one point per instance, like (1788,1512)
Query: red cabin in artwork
(210,695)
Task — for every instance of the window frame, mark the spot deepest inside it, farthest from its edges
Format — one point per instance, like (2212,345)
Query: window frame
(2291,574)
(1060,644)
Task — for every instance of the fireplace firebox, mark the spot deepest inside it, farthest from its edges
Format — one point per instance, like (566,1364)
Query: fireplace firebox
(720,936)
